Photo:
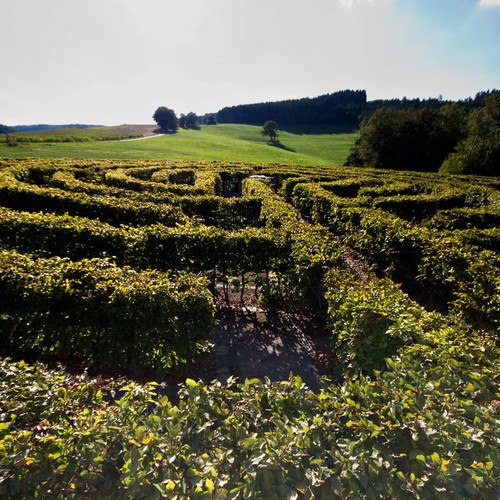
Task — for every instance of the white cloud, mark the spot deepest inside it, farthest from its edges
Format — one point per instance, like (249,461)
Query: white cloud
(489,3)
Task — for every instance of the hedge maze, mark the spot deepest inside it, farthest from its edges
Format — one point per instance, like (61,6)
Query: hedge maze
(119,264)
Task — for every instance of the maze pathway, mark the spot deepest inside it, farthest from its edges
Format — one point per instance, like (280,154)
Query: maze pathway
(253,343)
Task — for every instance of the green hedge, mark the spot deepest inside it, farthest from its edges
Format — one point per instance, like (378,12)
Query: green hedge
(170,176)
(178,182)
(440,264)
(466,218)
(222,253)
(66,236)
(425,427)
(210,181)
(227,213)
(108,209)
(195,247)
(486,239)
(117,205)
(312,250)
(104,315)
(421,206)
(374,320)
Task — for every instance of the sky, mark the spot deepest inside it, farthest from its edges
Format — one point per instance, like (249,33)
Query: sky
(111,62)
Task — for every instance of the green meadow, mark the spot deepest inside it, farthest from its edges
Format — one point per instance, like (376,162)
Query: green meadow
(304,145)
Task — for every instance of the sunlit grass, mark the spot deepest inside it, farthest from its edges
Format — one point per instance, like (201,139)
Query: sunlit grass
(226,142)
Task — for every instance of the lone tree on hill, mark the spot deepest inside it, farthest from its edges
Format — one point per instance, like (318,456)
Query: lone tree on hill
(166,119)
(270,128)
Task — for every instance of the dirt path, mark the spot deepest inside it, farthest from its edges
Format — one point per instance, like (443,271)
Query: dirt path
(253,343)
(141,138)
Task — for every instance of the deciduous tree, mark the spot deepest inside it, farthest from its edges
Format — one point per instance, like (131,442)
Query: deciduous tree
(191,120)
(270,129)
(479,152)
(166,119)
(210,119)
(407,139)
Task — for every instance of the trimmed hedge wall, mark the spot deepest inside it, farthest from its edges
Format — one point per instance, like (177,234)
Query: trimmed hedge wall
(101,314)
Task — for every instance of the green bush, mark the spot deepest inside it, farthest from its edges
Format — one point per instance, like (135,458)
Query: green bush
(375,320)
(98,313)
(426,427)
(65,236)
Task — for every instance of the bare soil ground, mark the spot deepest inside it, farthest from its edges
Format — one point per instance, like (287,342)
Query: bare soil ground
(145,130)
(255,342)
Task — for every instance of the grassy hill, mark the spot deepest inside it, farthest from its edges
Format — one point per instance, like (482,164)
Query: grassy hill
(225,142)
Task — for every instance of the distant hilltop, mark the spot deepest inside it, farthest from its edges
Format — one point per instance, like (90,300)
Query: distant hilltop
(30,128)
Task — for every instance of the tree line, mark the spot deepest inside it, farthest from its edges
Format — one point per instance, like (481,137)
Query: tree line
(461,137)
(431,135)
(168,121)
(343,107)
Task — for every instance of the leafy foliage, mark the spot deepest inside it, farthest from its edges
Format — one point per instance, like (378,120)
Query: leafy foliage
(479,152)
(440,264)
(413,410)
(166,119)
(270,128)
(408,140)
(378,436)
(104,315)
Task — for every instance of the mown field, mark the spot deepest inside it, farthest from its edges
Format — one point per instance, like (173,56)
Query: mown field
(304,145)
(115,265)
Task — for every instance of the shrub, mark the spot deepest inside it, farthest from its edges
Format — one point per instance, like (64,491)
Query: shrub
(101,314)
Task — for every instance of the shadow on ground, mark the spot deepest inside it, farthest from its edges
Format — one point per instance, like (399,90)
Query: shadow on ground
(254,343)
(280,145)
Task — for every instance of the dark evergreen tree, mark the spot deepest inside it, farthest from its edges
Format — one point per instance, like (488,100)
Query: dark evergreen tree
(342,107)
(401,104)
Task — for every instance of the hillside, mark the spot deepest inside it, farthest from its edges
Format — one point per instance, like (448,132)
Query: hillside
(225,142)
